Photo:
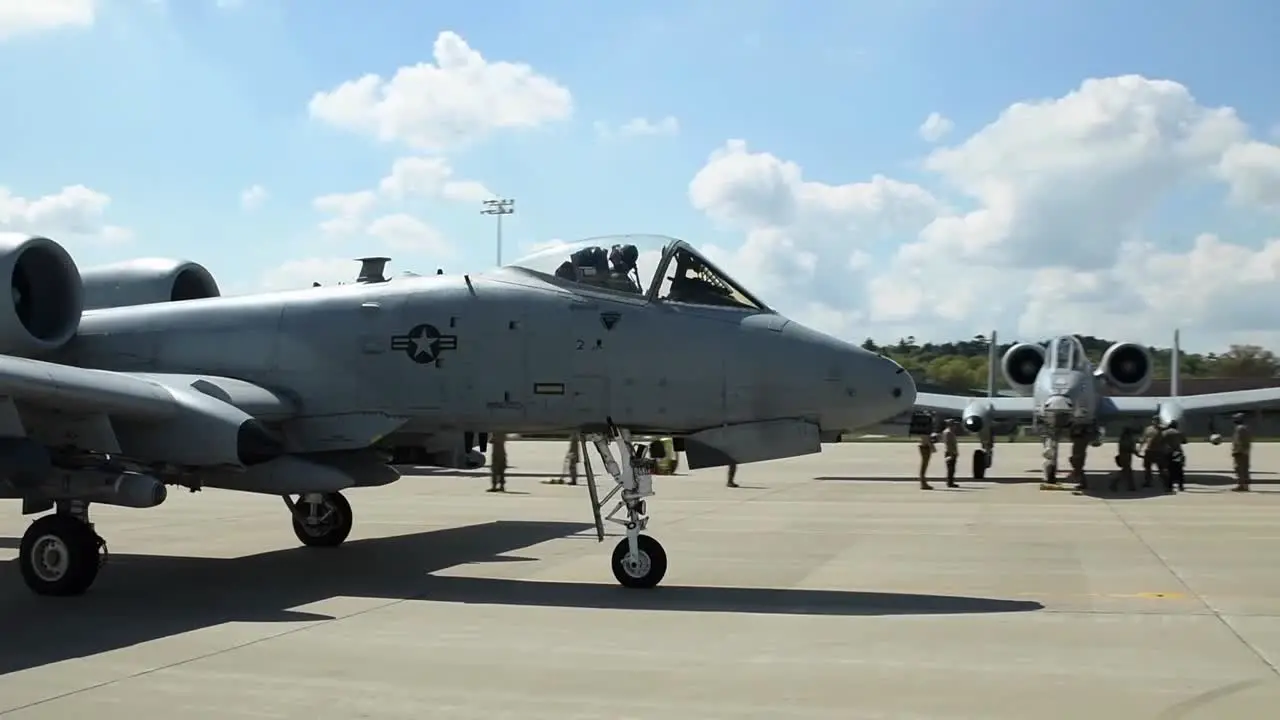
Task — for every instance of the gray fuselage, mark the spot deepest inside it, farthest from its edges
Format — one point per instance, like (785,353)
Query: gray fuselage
(505,351)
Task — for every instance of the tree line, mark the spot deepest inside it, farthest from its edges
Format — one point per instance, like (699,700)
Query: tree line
(962,365)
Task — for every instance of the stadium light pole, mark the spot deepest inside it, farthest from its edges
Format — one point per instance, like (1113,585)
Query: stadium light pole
(499,207)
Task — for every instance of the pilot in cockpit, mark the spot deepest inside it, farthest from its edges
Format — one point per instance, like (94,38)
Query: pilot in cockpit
(592,266)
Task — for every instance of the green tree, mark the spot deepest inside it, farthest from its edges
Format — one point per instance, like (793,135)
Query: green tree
(1249,361)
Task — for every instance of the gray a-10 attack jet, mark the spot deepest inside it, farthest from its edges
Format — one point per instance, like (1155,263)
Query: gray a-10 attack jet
(114,384)
(1066,397)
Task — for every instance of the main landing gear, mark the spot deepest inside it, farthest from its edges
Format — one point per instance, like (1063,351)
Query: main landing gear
(320,519)
(638,561)
(982,459)
(61,554)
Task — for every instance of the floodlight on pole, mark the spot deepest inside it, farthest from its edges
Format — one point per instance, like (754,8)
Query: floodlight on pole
(499,207)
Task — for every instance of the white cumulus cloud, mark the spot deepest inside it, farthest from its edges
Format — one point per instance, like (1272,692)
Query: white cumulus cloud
(935,127)
(1040,222)
(640,127)
(253,197)
(430,177)
(446,104)
(73,213)
(401,231)
(26,17)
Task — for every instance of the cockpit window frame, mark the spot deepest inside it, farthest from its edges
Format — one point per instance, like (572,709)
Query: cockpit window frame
(669,251)
(669,256)
(1075,350)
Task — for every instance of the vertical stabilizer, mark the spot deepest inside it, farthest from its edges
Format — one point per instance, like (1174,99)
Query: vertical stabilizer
(991,365)
(1173,365)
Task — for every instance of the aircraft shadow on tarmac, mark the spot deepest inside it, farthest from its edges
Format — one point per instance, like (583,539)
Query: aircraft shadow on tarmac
(140,598)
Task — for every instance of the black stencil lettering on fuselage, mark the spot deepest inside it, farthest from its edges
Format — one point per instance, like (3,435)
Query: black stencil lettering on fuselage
(424,343)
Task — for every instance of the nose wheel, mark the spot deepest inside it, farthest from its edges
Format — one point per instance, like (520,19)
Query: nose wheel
(643,568)
(638,560)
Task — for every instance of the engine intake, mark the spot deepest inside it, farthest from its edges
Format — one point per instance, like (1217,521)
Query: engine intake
(145,281)
(46,299)
(1021,364)
(1127,368)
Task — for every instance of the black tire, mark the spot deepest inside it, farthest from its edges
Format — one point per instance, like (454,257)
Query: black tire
(331,534)
(77,544)
(653,563)
(979,464)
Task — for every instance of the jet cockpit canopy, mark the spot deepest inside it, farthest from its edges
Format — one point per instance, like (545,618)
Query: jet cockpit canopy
(1066,353)
(652,266)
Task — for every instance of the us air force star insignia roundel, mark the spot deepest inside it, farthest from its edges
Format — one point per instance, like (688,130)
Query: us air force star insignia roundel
(424,343)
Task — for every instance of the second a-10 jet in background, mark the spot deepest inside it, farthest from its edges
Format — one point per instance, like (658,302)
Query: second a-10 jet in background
(1068,398)
(115,383)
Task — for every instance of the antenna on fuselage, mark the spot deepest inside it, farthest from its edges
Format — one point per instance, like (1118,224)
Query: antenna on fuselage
(371,269)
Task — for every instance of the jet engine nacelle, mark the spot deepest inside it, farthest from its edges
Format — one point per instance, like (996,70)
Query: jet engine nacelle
(1020,366)
(202,432)
(145,281)
(1127,368)
(45,295)
(976,416)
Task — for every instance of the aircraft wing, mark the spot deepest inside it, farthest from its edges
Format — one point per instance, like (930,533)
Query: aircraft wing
(180,417)
(135,395)
(1211,403)
(954,405)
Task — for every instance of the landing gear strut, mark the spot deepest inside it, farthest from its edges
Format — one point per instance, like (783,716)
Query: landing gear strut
(638,561)
(320,519)
(61,554)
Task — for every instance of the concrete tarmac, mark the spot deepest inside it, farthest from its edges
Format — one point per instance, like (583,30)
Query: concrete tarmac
(826,587)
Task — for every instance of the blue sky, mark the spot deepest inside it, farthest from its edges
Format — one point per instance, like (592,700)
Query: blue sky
(174,108)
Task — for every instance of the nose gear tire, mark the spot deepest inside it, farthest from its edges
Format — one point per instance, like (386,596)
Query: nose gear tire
(647,570)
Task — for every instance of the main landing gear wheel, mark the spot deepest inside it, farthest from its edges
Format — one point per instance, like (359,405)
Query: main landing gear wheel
(979,464)
(321,519)
(643,570)
(59,556)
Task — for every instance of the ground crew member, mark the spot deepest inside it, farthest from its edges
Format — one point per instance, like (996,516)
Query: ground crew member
(950,450)
(498,463)
(1241,448)
(733,472)
(570,465)
(1079,451)
(1150,450)
(1125,447)
(926,454)
(1174,457)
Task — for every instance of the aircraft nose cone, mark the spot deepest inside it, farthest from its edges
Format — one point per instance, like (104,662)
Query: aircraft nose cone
(850,387)
(1057,404)
(1058,408)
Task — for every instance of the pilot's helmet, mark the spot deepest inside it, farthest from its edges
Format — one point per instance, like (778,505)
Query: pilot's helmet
(630,254)
(1238,417)
(623,257)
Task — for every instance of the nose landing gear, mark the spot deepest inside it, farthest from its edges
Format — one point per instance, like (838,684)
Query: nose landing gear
(638,561)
